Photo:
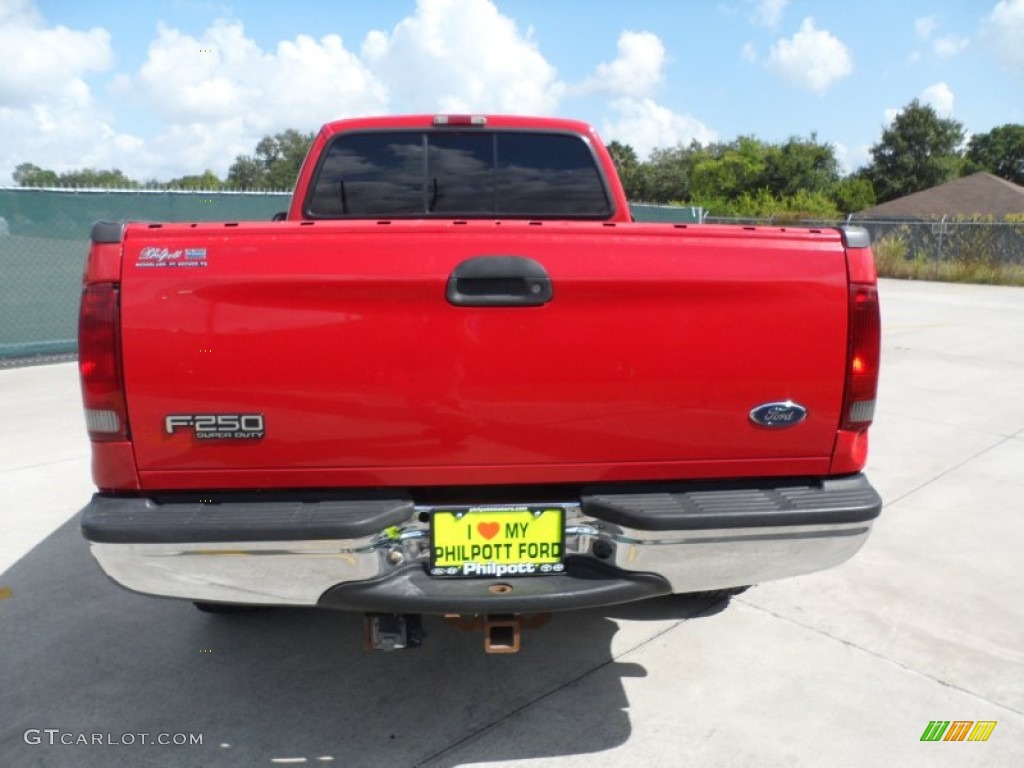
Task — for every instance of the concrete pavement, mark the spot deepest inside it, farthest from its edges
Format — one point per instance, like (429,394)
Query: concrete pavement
(841,668)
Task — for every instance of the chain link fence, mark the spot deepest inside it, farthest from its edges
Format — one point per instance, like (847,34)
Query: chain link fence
(667,214)
(44,237)
(940,240)
(951,239)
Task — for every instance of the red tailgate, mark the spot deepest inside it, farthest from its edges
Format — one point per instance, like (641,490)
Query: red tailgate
(656,345)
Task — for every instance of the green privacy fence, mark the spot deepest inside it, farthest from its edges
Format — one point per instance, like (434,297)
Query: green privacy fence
(44,237)
(667,214)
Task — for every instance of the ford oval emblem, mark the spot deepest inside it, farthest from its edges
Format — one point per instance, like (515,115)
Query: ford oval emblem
(778,415)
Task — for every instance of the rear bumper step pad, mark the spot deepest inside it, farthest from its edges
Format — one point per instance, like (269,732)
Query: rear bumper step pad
(693,507)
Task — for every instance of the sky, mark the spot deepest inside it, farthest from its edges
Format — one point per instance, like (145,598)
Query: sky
(164,88)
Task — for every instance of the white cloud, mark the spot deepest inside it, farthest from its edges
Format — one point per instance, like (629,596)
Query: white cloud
(639,120)
(852,159)
(949,46)
(636,70)
(768,13)
(749,53)
(1005,30)
(924,27)
(219,93)
(944,47)
(646,125)
(215,93)
(940,97)
(47,109)
(61,133)
(43,61)
(223,76)
(813,58)
(462,56)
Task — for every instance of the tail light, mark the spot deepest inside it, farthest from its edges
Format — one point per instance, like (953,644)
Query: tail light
(863,358)
(99,363)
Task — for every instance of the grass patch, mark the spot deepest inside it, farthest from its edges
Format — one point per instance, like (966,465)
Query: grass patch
(893,260)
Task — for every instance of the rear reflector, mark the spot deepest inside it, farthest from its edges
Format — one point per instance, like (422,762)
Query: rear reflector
(107,422)
(99,362)
(865,348)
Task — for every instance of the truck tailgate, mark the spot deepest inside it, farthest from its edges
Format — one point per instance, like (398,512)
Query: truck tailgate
(657,343)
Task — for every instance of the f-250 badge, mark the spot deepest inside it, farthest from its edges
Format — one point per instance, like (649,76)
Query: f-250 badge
(217,426)
(778,415)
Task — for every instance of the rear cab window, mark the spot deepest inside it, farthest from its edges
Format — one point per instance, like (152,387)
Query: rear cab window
(455,174)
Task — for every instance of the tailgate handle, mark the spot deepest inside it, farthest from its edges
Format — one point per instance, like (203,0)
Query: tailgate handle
(499,281)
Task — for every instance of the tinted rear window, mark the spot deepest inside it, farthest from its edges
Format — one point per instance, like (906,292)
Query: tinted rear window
(458,173)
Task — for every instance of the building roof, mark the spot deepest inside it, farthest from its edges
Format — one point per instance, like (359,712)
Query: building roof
(980,194)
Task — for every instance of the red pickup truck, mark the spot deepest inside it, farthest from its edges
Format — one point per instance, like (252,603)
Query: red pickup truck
(457,379)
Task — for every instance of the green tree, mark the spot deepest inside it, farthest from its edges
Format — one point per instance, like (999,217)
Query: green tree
(762,204)
(852,194)
(628,166)
(31,175)
(800,165)
(275,163)
(92,177)
(668,173)
(1000,151)
(246,173)
(918,151)
(205,180)
(727,171)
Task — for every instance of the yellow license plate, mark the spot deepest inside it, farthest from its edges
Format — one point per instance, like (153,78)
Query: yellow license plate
(497,541)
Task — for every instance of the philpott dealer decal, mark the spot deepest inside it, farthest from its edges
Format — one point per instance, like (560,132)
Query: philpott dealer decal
(164,257)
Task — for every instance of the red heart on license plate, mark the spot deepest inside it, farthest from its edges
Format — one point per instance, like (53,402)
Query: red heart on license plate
(488,530)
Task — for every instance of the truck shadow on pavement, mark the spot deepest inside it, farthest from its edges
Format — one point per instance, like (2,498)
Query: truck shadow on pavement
(86,657)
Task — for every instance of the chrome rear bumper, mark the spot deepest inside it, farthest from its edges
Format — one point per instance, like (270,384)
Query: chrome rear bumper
(620,545)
